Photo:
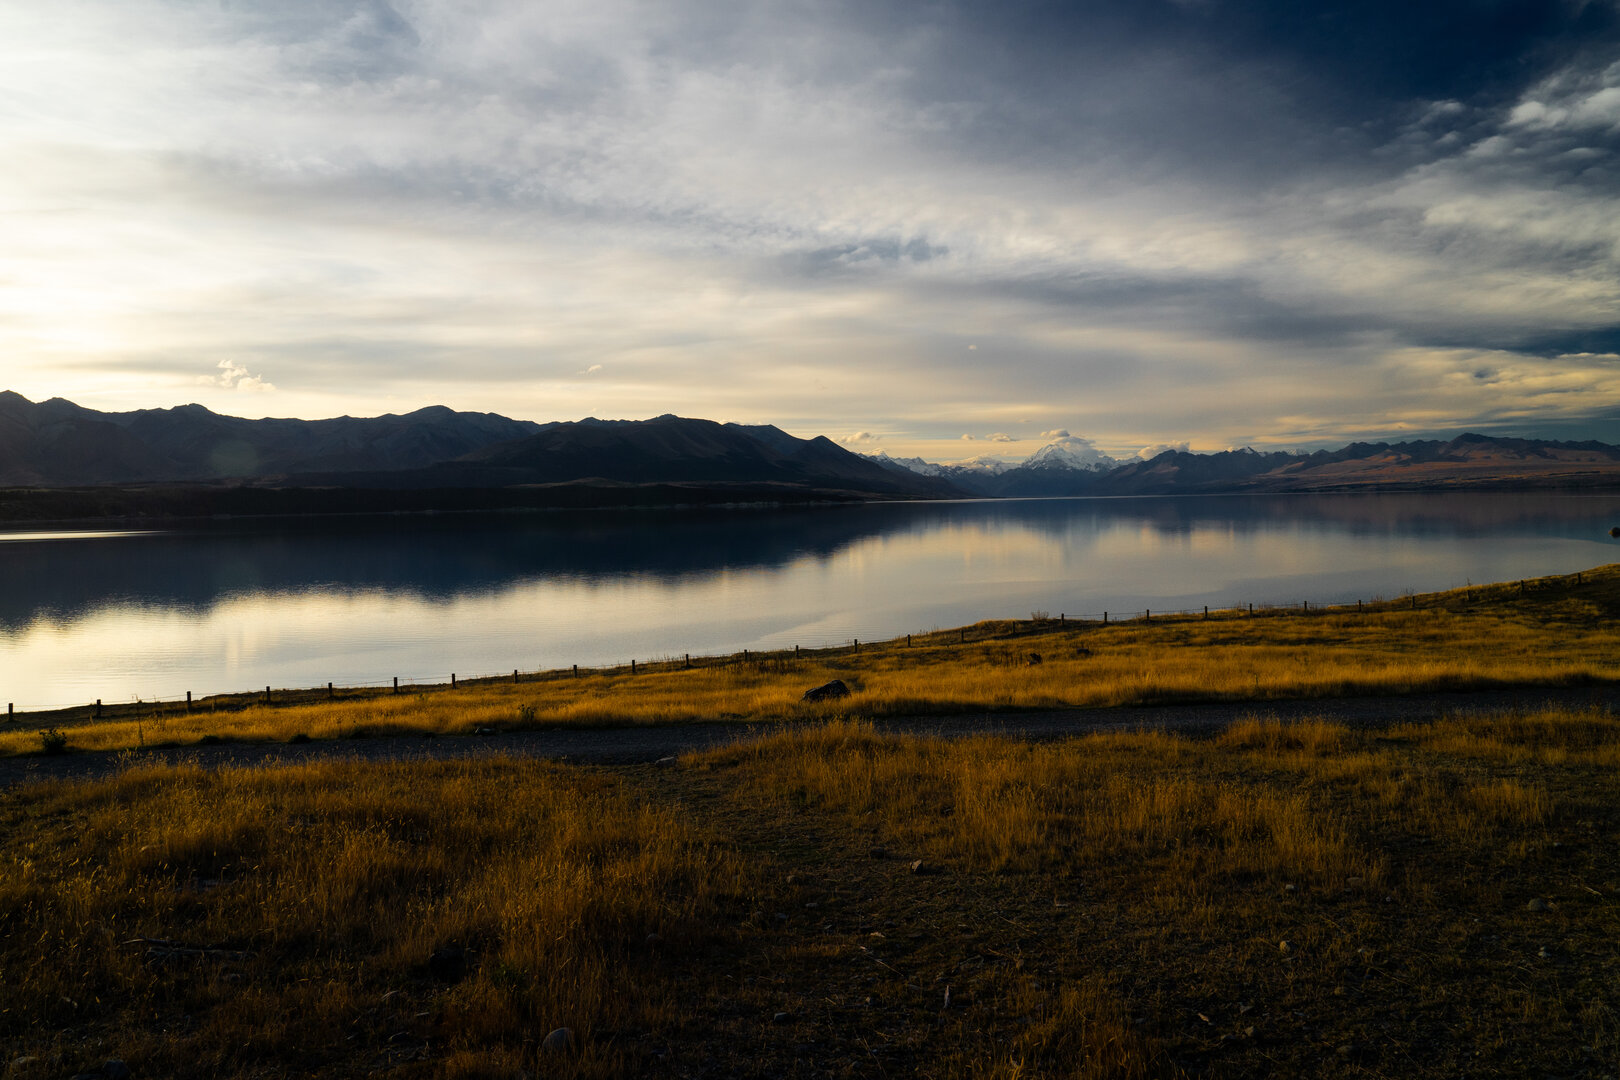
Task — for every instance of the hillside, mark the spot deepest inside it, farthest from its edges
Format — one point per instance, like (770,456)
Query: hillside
(663,450)
(56,443)
(1467,461)
(64,462)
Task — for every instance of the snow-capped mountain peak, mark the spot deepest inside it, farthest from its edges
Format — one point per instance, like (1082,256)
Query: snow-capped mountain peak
(979,466)
(1070,452)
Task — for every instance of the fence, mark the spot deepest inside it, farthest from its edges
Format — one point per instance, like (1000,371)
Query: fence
(1039,622)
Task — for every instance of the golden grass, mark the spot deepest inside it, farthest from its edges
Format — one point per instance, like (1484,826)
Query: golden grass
(1555,632)
(1548,737)
(1197,815)
(318,894)
(1150,801)
(1280,898)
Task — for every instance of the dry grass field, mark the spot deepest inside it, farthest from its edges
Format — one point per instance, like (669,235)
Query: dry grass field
(1549,631)
(285,921)
(1432,900)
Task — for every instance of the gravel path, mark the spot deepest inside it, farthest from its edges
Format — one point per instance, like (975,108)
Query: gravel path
(630,745)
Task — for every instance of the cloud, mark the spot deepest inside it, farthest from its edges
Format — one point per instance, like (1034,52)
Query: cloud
(1285,230)
(860,438)
(234,376)
(967,438)
(1148,453)
(1056,433)
(1000,436)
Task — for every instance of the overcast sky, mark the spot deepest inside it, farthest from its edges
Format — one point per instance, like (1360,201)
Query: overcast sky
(1281,224)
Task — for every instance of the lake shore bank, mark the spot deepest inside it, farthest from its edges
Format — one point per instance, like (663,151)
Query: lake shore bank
(1545,632)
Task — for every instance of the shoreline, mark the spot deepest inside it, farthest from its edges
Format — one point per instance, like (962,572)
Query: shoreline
(986,631)
(1248,657)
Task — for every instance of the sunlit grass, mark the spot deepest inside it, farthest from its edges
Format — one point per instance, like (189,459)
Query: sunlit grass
(1121,905)
(318,893)
(1554,632)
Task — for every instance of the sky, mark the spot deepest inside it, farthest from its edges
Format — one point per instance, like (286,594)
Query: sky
(945,228)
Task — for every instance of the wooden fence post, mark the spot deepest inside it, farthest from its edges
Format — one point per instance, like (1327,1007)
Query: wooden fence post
(330,693)
(98,708)
(1105,618)
(188,701)
(632,667)
(452,680)
(267,695)
(396,684)
(576,671)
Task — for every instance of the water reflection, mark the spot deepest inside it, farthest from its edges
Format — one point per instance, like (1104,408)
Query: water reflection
(235,604)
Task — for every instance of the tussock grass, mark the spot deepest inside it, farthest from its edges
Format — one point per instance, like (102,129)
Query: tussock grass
(1377,880)
(215,921)
(1103,801)
(1282,899)
(1192,815)
(1553,633)
(1549,737)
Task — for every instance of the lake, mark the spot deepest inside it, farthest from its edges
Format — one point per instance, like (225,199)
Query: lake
(236,605)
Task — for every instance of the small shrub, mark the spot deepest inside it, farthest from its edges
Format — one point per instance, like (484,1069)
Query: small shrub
(299,738)
(53,741)
(526,714)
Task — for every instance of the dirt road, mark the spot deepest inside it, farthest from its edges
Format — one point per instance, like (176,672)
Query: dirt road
(627,745)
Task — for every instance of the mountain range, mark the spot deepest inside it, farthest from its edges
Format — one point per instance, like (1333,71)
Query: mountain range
(1467,461)
(56,444)
(60,460)
(663,450)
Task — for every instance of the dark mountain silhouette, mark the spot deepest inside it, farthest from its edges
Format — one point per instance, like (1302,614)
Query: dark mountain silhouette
(664,450)
(64,461)
(56,443)
(1179,470)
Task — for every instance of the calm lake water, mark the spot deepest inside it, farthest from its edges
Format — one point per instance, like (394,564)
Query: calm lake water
(238,605)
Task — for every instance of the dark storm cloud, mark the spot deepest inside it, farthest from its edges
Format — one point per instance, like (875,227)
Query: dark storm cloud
(1241,90)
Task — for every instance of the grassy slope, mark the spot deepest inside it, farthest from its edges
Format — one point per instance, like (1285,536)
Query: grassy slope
(1107,906)
(1553,631)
